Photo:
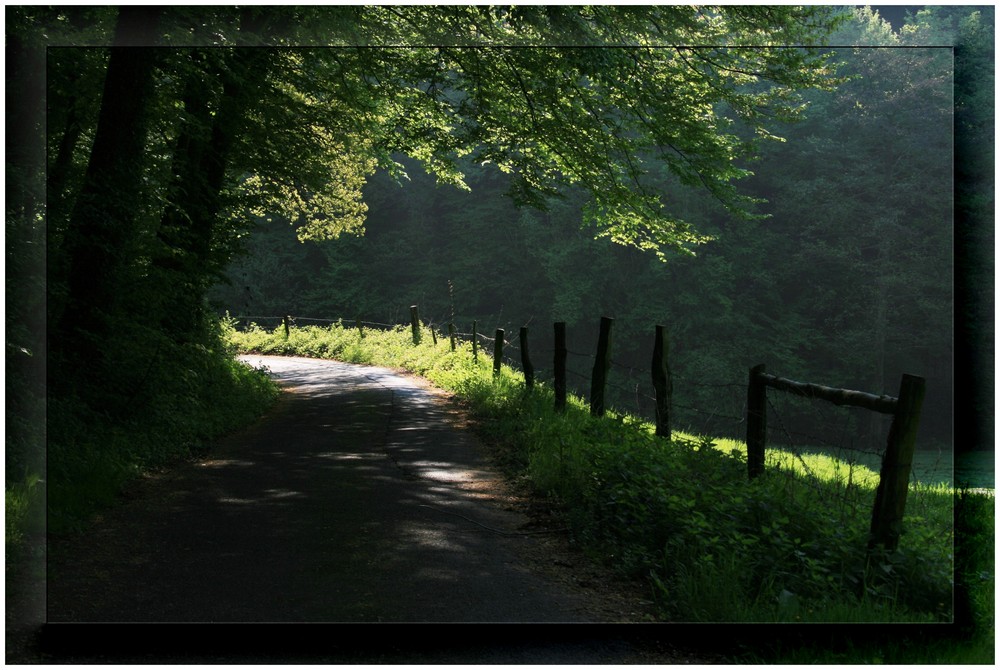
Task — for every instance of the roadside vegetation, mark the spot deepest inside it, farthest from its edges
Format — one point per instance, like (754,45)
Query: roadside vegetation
(191,395)
(713,547)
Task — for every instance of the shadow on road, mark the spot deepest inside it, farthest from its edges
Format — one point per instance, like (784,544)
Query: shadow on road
(356,500)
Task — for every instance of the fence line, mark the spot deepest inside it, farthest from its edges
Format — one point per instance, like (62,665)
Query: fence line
(636,390)
(845,438)
(896,463)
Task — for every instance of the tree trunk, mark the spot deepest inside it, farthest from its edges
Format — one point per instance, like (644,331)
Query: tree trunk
(186,263)
(59,168)
(102,224)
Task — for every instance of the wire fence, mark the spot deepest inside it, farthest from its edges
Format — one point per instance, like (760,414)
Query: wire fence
(854,436)
(798,425)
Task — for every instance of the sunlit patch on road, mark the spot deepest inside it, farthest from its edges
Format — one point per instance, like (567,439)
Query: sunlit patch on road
(225,462)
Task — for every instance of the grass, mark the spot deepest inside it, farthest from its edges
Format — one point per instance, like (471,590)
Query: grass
(22,500)
(789,546)
(191,397)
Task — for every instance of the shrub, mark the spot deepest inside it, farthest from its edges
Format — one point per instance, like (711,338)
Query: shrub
(180,397)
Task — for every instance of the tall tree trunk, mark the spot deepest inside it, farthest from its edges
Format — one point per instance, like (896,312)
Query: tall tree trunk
(59,166)
(187,263)
(103,220)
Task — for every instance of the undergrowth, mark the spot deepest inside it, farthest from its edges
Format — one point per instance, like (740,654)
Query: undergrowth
(179,398)
(789,546)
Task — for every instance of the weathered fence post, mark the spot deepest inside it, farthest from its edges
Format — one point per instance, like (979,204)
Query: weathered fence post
(285,320)
(662,383)
(529,370)
(602,364)
(475,342)
(756,421)
(414,324)
(559,365)
(357,322)
(497,352)
(894,477)
(451,335)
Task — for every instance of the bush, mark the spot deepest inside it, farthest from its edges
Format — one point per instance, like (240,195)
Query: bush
(159,403)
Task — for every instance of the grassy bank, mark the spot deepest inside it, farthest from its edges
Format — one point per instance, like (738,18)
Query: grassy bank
(713,547)
(190,397)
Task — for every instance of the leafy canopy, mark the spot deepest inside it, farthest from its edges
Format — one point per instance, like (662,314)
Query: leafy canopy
(599,98)
(592,97)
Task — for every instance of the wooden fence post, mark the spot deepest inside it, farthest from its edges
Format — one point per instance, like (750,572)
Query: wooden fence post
(529,370)
(451,335)
(894,477)
(602,364)
(559,365)
(357,322)
(756,421)
(285,320)
(414,324)
(475,342)
(497,352)
(662,382)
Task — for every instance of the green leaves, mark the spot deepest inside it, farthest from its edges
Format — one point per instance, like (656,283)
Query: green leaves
(525,89)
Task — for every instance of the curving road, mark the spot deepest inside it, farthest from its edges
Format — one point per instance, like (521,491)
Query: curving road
(358,499)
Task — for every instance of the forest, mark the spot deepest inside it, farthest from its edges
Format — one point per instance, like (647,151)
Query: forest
(805,187)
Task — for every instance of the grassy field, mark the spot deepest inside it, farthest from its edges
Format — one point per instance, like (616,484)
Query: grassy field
(930,466)
(681,515)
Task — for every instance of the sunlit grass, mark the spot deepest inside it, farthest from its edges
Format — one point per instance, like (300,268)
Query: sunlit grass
(21,500)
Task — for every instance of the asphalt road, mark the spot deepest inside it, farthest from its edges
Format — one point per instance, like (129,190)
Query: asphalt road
(357,499)
(360,498)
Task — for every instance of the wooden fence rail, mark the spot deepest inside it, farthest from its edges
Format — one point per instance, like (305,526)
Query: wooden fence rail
(662,383)
(602,364)
(475,342)
(497,351)
(897,462)
(526,366)
(876,403)
(415,324)
(894,477)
